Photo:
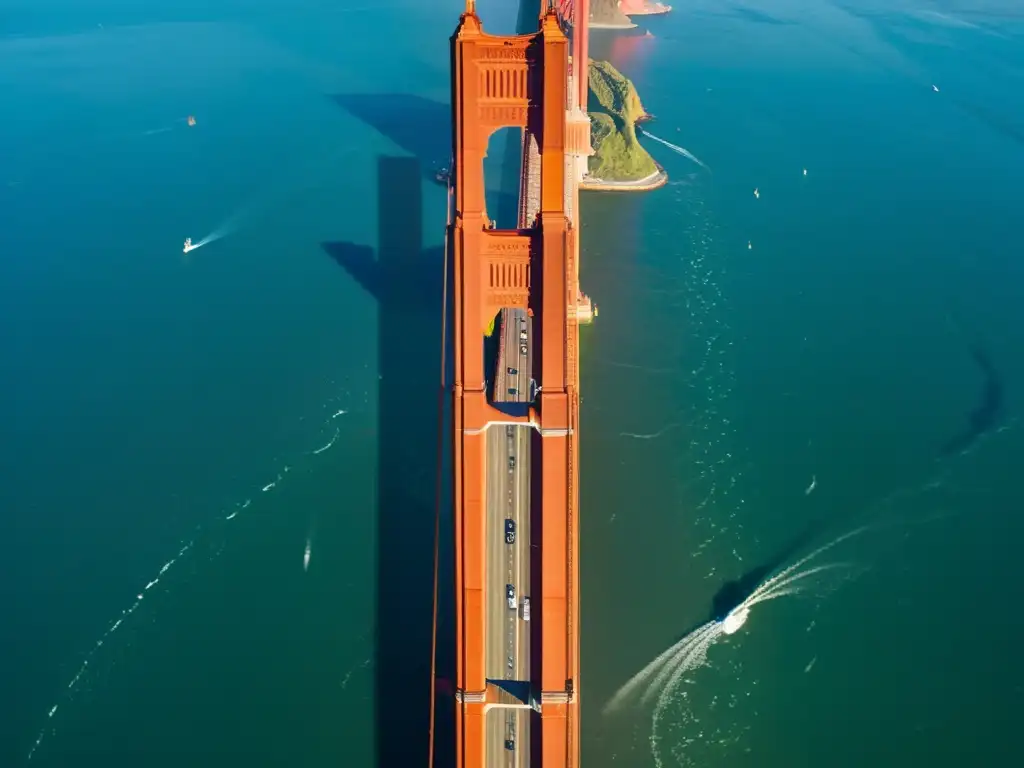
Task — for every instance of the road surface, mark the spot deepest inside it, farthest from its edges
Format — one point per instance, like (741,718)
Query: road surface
(512,383)
(508,563)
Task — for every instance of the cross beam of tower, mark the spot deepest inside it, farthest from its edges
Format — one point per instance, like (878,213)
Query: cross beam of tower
(515,457)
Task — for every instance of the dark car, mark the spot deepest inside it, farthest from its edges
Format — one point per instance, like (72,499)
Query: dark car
(511,463)
(510,744)
(513,391)
(510,531)
(513,371)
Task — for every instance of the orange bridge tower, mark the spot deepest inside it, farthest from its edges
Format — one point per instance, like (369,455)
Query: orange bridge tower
(520,712)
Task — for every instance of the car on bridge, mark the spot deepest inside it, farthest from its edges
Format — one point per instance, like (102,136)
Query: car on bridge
(522,350)
(510,595)
(513,371)
(526,609)
(510,531)
(511,463)
(513,392)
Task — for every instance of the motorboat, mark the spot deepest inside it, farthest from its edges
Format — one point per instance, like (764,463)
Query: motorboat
(188,245)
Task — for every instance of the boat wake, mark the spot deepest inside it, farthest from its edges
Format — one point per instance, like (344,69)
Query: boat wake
(96,659)
(677,149)
(223,230)
(278,195)
(664,674)
(662,678)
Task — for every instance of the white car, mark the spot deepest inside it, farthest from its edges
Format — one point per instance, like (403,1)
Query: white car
(526,609)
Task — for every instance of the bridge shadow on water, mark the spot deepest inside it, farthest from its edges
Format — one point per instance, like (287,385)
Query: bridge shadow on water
(420,126)
(407,281)
(423,128)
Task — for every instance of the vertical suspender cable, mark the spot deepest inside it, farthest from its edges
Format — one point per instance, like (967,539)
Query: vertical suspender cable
(440,467)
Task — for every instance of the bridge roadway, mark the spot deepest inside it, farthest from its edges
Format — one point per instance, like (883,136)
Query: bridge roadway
(508,564)
(510,656)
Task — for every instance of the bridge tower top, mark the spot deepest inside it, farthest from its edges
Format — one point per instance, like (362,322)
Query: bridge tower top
(517,81)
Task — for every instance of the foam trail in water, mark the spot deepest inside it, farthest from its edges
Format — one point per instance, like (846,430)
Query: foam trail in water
(785,587)
(281,192)
(160,578)
(330,443)
(684,658)
(694,656)
(645,674)
(664,672)
(775,580)
(677,149)
(229,226)
(166,128)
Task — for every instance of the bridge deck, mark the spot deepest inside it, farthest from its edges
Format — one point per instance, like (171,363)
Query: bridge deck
(515,542)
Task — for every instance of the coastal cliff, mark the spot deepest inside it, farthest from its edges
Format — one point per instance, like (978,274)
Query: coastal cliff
(643,7)
(606,14)
(615,109)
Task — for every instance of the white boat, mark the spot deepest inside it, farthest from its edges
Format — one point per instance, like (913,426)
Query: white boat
(188,245)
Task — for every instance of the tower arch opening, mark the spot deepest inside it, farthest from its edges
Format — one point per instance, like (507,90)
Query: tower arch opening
(508,360)
(503,172)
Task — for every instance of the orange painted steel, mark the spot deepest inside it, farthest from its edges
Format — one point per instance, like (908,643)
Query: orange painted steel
(498,82)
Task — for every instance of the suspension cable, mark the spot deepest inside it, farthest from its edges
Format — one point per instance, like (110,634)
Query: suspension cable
(440,468)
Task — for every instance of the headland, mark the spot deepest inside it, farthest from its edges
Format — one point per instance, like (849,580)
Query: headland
(605,14)
(643,8)
(619,162)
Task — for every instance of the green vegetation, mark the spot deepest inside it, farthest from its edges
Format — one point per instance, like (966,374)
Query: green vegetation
(492,351)
(614,108)
(612,92)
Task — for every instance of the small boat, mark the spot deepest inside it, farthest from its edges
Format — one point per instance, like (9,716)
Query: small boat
(191,120)
(442,175)
(188,244)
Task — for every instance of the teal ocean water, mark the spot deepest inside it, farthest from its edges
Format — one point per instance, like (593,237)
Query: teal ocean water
(202,421)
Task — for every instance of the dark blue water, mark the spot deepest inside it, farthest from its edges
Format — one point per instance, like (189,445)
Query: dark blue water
(152,395)
(855,328)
